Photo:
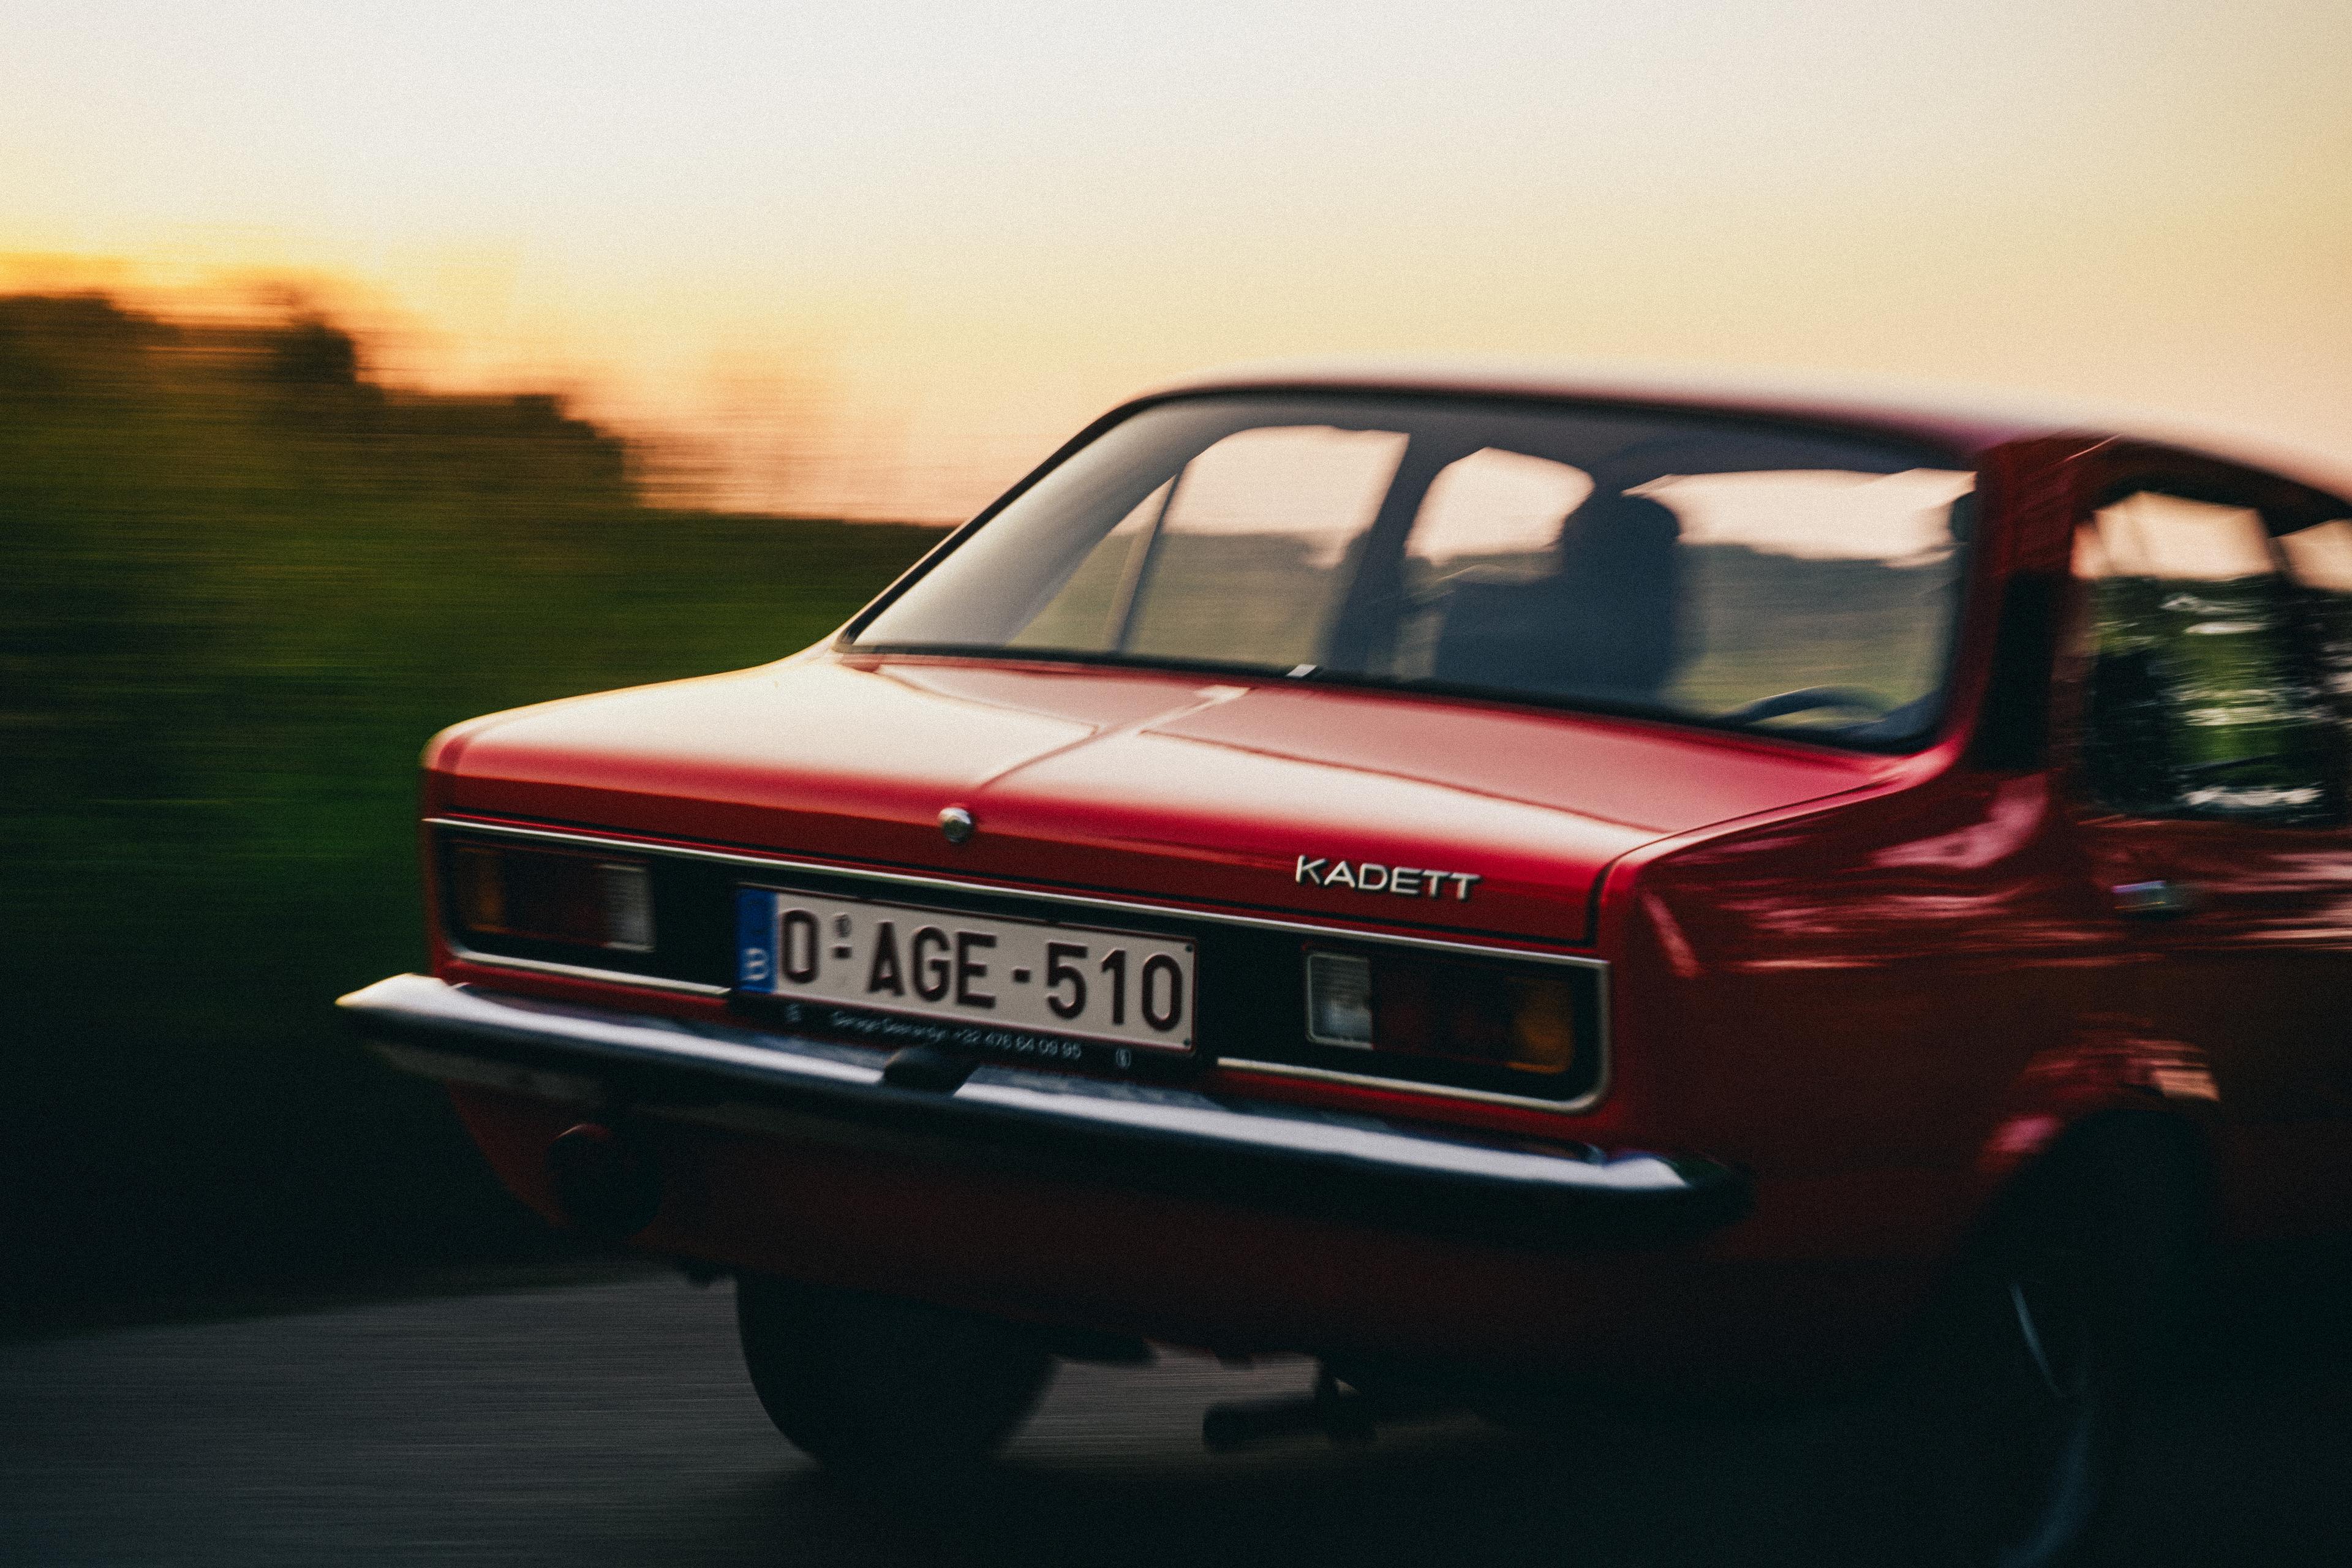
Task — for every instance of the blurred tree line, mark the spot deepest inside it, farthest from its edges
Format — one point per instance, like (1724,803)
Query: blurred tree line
(240,583)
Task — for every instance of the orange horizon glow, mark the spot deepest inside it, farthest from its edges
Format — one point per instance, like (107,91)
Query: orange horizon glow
(877,265)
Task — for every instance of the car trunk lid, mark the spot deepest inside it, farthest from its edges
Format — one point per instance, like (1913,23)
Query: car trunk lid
(1258,795)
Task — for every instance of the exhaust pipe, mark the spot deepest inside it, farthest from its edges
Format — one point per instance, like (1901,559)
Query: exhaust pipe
(602,1184)
(1345,1414)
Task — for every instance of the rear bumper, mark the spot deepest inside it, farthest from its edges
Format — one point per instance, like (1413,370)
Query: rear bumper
(1168,1144)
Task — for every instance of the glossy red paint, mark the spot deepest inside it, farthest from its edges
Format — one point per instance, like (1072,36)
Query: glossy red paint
(1883,986)
(1204,791)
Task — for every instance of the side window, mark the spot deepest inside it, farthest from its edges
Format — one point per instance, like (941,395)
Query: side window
(2205,695)
(2320,560)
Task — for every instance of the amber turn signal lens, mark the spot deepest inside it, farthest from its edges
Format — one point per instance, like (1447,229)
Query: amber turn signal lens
(1410,1005)
(546,895)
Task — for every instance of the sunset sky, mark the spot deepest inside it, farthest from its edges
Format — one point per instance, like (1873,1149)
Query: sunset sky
(881,258)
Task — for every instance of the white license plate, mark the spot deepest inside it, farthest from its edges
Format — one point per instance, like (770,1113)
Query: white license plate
(1020,975)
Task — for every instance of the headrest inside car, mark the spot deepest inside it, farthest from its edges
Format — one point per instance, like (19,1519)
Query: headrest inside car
(1603,624)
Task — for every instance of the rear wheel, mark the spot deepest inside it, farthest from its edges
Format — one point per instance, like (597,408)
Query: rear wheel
(2057,1335)
(876,1386)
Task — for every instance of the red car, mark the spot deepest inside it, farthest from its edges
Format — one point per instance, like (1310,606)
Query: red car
(1511,888)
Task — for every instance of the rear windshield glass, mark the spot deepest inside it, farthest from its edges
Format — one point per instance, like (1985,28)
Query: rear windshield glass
(1694,568)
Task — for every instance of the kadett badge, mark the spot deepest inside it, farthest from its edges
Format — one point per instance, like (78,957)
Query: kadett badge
(1369,877)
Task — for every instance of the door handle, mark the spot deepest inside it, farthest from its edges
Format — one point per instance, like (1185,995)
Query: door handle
(2160,899)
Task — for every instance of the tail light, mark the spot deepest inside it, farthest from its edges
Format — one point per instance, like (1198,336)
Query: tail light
(575,898)
(1440,1016)
(1523,1020)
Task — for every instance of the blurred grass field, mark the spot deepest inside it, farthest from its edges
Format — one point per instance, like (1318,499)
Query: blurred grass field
(242,584)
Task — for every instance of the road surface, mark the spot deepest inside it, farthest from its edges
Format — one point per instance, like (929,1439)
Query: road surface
(611,1424)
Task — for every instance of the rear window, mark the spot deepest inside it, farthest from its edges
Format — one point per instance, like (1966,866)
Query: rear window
(1696,568)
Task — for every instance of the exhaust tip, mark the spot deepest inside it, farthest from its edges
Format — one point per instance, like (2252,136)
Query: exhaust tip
(602,1182)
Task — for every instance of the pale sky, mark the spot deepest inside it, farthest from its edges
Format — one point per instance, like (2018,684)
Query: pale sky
(883,257)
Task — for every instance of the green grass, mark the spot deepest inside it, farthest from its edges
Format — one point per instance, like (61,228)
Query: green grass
(242,586)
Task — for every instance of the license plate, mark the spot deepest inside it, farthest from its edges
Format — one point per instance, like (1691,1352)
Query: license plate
(1023,977)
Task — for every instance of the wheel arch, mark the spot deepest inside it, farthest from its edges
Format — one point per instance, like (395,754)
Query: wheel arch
(2116,1090)
(2107,1068)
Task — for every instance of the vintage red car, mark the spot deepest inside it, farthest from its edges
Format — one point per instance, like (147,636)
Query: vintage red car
(1499,884)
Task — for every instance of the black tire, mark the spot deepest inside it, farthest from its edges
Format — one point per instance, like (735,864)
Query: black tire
(884,1388)
(2064,1325)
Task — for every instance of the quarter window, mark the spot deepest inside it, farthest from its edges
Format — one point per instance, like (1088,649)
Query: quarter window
(2319,561)
(2207,697)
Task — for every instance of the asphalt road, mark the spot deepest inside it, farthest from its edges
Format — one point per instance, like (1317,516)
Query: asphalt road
(612,1424)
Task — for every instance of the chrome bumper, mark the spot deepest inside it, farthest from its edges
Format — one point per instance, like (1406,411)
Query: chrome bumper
(1352,1169)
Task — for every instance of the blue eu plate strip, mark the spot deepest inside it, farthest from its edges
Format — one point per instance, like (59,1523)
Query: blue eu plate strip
(755,940)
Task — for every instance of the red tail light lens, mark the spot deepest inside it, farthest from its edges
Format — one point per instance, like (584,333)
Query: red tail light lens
(1406,1004)
(553,895)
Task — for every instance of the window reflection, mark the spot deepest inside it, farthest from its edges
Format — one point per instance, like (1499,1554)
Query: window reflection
(1676,565)
(2319,559)
(1246,553)
(2205,698)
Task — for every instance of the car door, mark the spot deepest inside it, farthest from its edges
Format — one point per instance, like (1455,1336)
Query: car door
(2211,781)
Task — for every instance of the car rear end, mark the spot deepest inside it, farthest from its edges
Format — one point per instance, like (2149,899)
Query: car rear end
(1123,986)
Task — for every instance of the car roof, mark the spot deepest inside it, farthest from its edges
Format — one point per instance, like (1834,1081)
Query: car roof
(1966,424)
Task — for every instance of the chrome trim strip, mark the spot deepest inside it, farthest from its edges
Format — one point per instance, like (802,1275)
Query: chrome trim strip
(419,1002)
(1584,1101)
(404,1007)
(452,1067)
(1599,966)
(458,950)
(1354,1138)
